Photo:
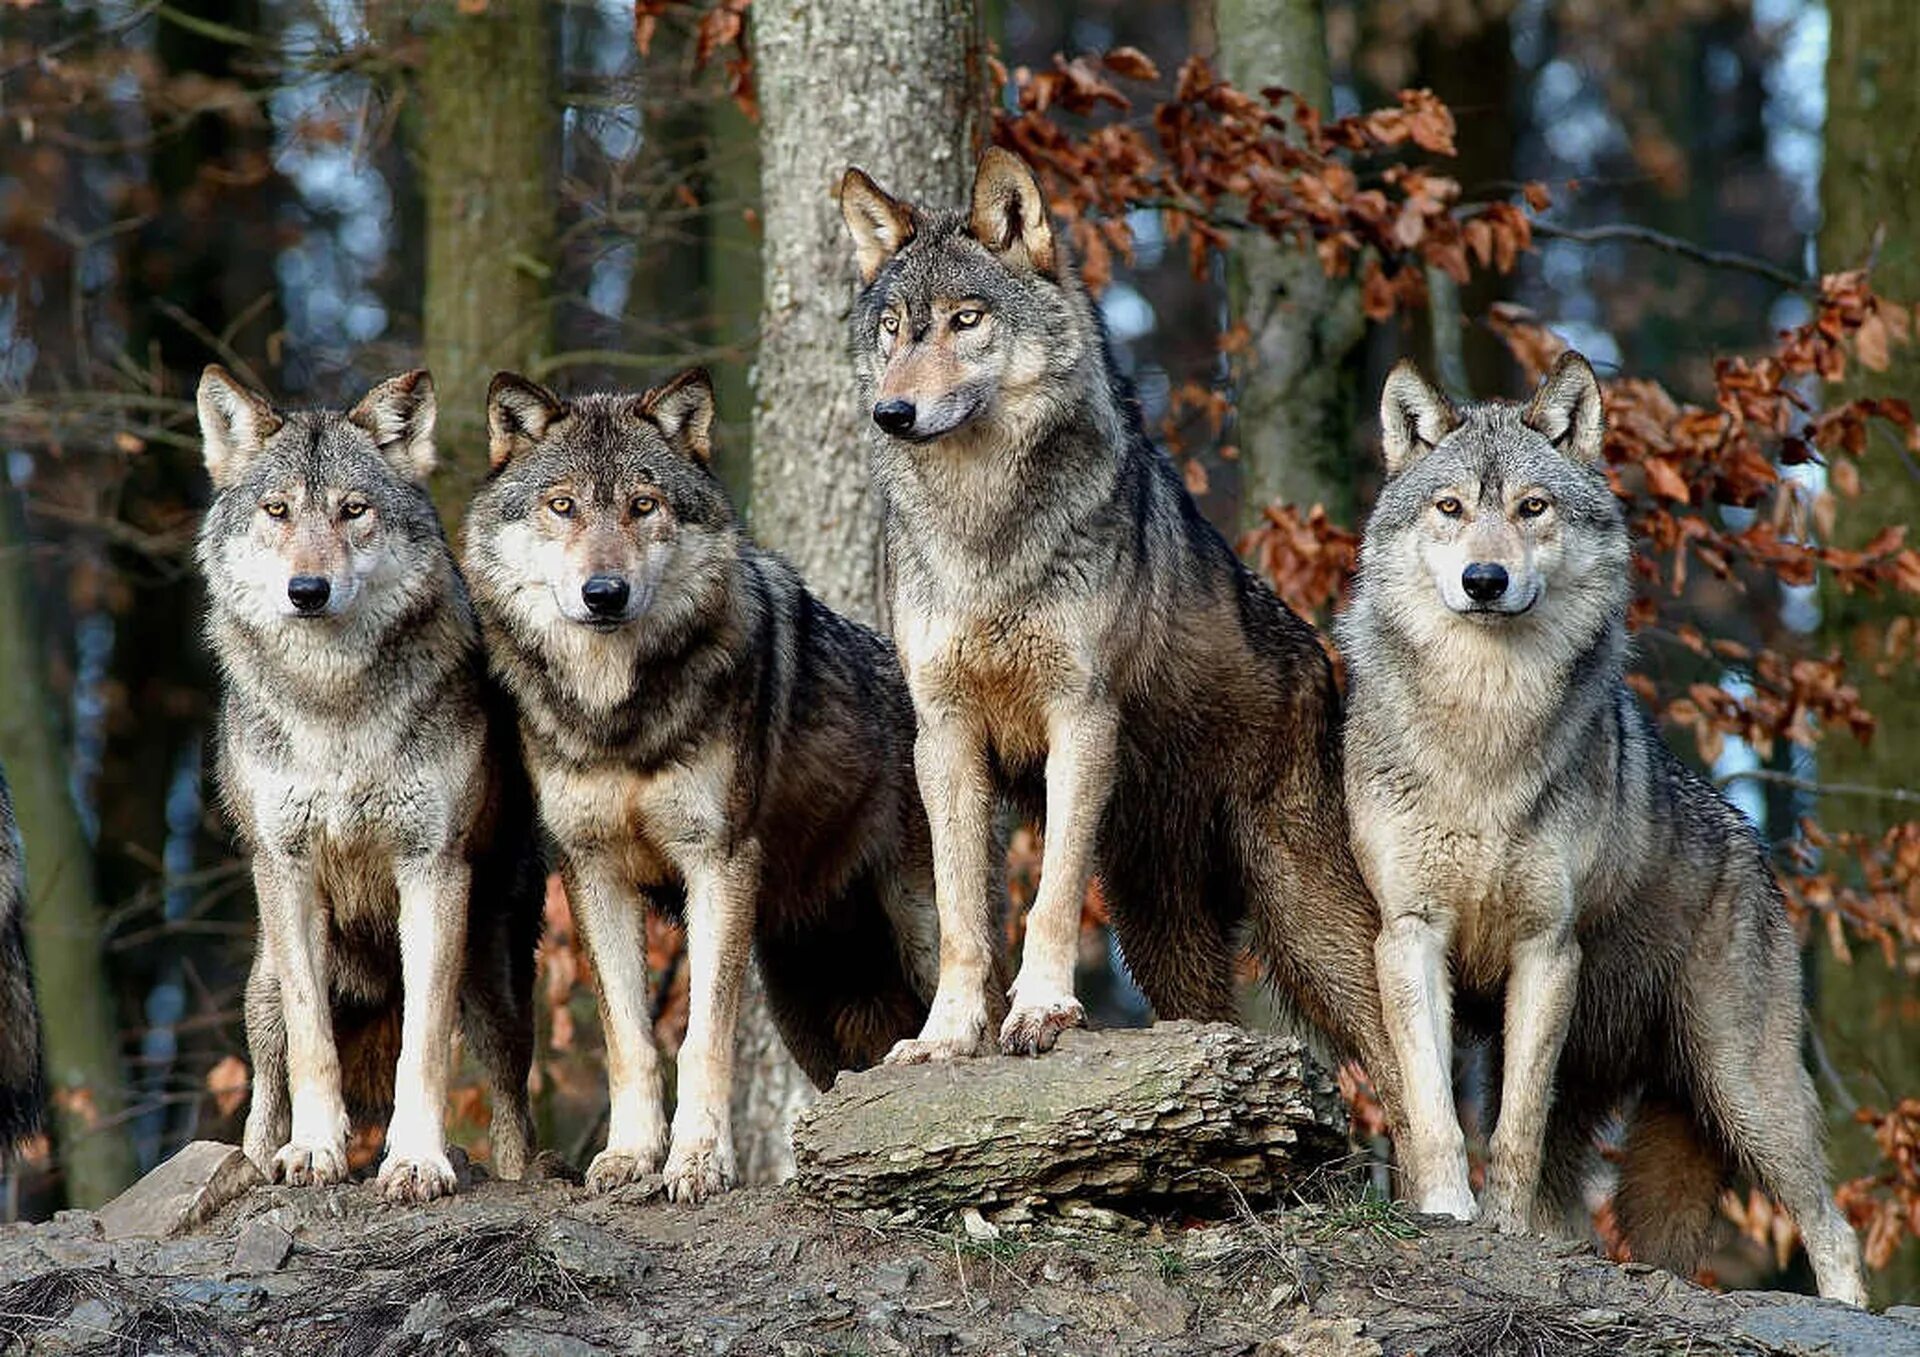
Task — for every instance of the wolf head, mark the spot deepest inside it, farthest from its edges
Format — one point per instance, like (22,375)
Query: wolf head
(316,514)
(963,318)
(601,511)
(1498,511)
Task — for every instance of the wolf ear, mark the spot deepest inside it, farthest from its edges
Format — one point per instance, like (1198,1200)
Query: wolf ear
(519,413)
(880,225)
(399,414)
(235,423)
(1568,409)
(1414,415)
(683,410)
(1010,212)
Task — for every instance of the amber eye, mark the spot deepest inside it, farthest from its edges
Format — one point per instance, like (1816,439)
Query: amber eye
(561,505)
(1449,506)
(890,323)
(644,505)
(966,320)
(1532,506)
(275,508)
(354,508)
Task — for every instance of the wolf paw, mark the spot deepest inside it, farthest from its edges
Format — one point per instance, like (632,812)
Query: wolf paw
(1459,1204)
(1032,1029)
(697,1170)
(1505,1212)
(613,1168)
(301,1165)
(417,1179)
(922,1051)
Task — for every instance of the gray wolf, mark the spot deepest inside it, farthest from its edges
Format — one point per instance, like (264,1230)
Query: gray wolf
(1078,637)
(22,1074)
(707,738)
(1543,858)
(373,775)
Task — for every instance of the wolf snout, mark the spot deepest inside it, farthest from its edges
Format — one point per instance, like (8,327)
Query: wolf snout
(309,593)
(606,595)
(895,415)
(1484,581)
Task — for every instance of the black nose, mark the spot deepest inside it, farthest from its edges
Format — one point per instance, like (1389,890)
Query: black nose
(605,595)
(1484,581)
(895,415)
(309,593)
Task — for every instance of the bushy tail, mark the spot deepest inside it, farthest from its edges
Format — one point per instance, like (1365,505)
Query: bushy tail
(1671,1176)
(22,1078)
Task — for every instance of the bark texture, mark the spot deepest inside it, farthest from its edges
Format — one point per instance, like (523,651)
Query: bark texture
(1296,389)
(898,88)
(1178,1114)
(488,151)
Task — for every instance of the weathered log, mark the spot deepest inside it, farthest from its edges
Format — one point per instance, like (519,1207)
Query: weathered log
(1178,1116)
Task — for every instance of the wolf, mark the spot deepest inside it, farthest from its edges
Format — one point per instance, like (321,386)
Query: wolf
(1540,855)
(22,1072)
(373,774)
(1076,635)
(706,737)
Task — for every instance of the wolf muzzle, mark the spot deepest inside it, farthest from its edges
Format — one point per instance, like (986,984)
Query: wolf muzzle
(1484,581)
(309,593)
(606,596)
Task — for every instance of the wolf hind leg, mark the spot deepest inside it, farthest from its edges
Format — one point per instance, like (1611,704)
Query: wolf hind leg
(269,1115)
(496,1016)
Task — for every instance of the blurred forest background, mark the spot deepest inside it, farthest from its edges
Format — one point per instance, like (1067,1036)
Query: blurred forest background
(1716,200)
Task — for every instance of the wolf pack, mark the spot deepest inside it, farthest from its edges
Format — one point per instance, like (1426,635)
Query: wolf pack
(1486,838)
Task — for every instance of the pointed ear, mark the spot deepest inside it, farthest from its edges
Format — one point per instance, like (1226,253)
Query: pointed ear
(1568,409)
(880,225)
(519,412)
(399,414)
(1414,415)
(235,423)
(683,409)
(1010,212)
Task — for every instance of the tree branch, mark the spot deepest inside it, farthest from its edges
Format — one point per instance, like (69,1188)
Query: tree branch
(1900,794)
(1686,249)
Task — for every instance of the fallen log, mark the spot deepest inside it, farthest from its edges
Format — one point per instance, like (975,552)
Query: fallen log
(1180,1116)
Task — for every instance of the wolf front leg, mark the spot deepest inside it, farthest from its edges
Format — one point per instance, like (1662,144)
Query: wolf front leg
(950,763)
(721,894)
(433,943)
(1417,1005)
(1542,980)
(1080,772)
(294,931)
(611,917)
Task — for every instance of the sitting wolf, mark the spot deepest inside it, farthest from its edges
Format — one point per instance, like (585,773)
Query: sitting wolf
(374,776)
(1538,850)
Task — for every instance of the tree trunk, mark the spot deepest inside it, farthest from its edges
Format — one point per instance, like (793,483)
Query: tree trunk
(1871,180)
(896,87)
(1180,1114)
(488,149)
(85,1077)
(1296,388)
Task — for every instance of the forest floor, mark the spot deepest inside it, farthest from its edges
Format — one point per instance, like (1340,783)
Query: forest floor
(544,1268)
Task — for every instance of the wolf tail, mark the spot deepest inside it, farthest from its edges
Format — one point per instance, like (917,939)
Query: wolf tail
(22,1076)
(1671,1176)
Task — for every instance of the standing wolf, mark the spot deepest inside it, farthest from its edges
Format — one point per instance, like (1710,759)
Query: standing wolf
(372,773)
(1074,632)
(22,1081)
(1527,831)
(705,736)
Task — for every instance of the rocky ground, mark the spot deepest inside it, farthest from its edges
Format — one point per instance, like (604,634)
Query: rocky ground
(544,1268)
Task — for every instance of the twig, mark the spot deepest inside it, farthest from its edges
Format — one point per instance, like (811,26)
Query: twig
(1804,784)
(1643,235)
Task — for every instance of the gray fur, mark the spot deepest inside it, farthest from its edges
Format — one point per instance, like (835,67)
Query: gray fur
(22,1073)
(1076,635)
(713,741)
(1536,847)
(371,770)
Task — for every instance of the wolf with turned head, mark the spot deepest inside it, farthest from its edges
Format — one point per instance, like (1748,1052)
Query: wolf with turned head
(706,739)
(1546,867)
(373,774)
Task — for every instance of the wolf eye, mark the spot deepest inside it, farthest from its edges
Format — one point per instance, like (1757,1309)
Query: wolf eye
(890,323)
(966,320)
(1449,506)
(1532,506)
(275,508)
(354,508)
(561,505)
(644,505)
